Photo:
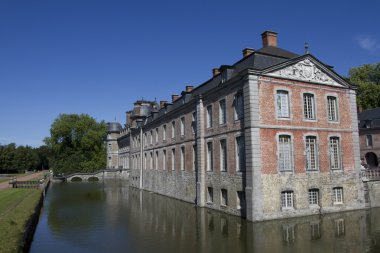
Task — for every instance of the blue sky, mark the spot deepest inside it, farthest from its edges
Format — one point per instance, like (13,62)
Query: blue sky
(98,57)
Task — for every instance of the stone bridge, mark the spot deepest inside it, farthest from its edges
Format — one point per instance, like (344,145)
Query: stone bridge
(96,176)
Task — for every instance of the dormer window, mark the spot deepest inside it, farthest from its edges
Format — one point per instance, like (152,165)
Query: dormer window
(224,76)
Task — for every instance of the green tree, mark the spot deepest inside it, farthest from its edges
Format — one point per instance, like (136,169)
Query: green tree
(77,144)
(367,78)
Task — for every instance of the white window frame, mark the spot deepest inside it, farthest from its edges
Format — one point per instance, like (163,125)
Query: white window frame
(209,116)
(223,197)
(311,153)
(210,195)
(223,155)
(164,132)
(194,122)
(239,153)
(210,163)
(338,195)
(335,153)
(173,129)
(183,158)
(222,111)
(173,159)
(164,159)
(285,153)
(287,199)
(309,110)
(314,196)
(332,109)
(368,140)
(282,104)
(240,200)
(238,106)
(156,160)
(182,126)
(156,137)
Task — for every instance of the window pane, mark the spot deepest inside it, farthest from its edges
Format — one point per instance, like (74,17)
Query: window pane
(282,104)
(334,153)
(309,112)
(285,153)
(311,153)
(332,108)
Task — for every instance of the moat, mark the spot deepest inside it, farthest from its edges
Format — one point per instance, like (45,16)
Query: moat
(113,217)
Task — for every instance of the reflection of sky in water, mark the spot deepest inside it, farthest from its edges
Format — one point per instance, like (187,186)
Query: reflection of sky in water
(111,217)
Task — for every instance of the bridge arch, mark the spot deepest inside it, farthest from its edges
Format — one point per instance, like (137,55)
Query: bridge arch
(372,160)
(76,179)
(93,179)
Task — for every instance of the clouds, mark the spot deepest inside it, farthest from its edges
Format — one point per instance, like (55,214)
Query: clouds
(368,43)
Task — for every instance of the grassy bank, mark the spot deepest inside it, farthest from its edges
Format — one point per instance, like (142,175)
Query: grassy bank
(16,206)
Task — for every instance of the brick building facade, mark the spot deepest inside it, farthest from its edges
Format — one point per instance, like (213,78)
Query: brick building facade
(274,135)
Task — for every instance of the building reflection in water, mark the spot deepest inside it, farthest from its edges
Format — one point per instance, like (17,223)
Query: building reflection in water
(153,223)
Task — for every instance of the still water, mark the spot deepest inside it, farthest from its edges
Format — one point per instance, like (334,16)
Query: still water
(112,217)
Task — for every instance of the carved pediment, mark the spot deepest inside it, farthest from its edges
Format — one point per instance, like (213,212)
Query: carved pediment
(305,70)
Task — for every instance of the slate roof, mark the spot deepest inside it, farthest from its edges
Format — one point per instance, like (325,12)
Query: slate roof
(369,119)
(369,114)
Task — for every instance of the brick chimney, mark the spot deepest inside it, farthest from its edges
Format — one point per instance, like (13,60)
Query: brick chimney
(189,88)
(269,39)
(174,97)
(162,103)
(248,51)
(215,72)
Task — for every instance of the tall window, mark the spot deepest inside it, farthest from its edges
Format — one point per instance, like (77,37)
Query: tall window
(156,137)
(209,116)
(285,161)
(222,112)
(182,126)
(311,153)
(334,153)
(151,137)
(145,161)
(164,160)
(209,157)
(173,129)
(239,154)
(238,106)
(210,195)
(173,159)
(224,197)
(313,196)
(194,157)
(151,160)
(223,155)
(145,139)
(194,122)
(240,200)
(164,132)
(282,99)
(182,158)
(308,106)
(287,199)
(338,195)
(156,161)
(332,108)
(368,140)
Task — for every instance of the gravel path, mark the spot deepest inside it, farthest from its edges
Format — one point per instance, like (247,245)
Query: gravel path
(6,184)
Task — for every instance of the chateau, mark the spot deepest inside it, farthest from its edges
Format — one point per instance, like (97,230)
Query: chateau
(274,135)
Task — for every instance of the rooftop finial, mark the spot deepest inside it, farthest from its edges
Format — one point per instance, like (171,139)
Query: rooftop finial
(306,48)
